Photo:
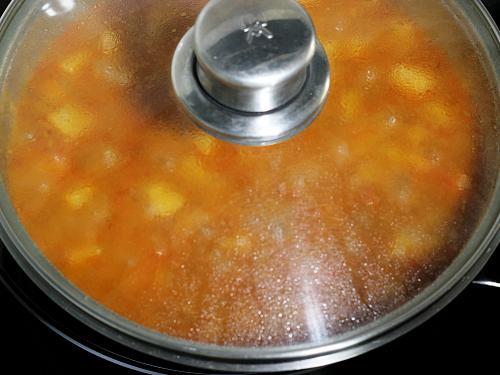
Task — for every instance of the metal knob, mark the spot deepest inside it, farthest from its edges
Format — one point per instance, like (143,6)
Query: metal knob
(251,71)
(253,55)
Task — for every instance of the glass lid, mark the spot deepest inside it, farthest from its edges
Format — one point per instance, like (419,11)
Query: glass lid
(137,191)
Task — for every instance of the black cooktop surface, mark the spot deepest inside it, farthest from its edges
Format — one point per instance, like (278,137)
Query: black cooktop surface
(465,333)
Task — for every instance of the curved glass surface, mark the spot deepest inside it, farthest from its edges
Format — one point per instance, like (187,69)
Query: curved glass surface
(156,229)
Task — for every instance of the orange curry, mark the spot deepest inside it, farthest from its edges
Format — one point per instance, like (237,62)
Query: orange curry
(219,243)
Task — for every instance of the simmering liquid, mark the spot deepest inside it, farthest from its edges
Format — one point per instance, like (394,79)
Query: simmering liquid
(219,243)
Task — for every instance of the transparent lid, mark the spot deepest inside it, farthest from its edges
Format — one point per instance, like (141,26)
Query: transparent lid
(301,242)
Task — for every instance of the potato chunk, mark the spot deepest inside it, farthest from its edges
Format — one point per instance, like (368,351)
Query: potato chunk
(71,121)
(405,243)
(83,254)
(205,143)
(163,201)
(195,173)
(74,63)
(77,198)
(349,105)
(412,243)
(412,80)
(439,114)
(403,32)
(355,47)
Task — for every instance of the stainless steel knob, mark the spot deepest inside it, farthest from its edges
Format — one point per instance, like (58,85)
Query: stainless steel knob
(251,71)
(253,55)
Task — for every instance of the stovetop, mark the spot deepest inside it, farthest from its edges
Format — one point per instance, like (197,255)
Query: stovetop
(458,336)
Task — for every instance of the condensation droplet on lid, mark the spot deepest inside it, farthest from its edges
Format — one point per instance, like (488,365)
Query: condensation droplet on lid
(160,252)
(110,158)
(404,196)
(370,75)
(59,159)
(342,153)
(112,73)
(392,121)
(43,188)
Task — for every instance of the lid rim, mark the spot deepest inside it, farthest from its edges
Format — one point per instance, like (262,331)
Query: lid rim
(22,250)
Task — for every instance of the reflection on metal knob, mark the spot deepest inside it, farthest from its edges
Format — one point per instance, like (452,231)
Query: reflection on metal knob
(251,71)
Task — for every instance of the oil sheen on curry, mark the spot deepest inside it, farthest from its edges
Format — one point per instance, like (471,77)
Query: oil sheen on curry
(249,246)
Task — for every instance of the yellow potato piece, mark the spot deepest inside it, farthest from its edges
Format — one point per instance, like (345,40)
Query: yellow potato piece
(412,80)
(404,33)
(71,121)
(347,48)
(404,244)
(331,48)
(78,198)
(438,114)
(74,63)
(355,47)
(413,243)
(205,143)
(163,201)
(194,171)
(83,254)
(349,105)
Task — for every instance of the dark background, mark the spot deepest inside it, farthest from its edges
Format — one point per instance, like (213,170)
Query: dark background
(466,333)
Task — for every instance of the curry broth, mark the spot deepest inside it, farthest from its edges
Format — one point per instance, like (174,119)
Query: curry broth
(220,243)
